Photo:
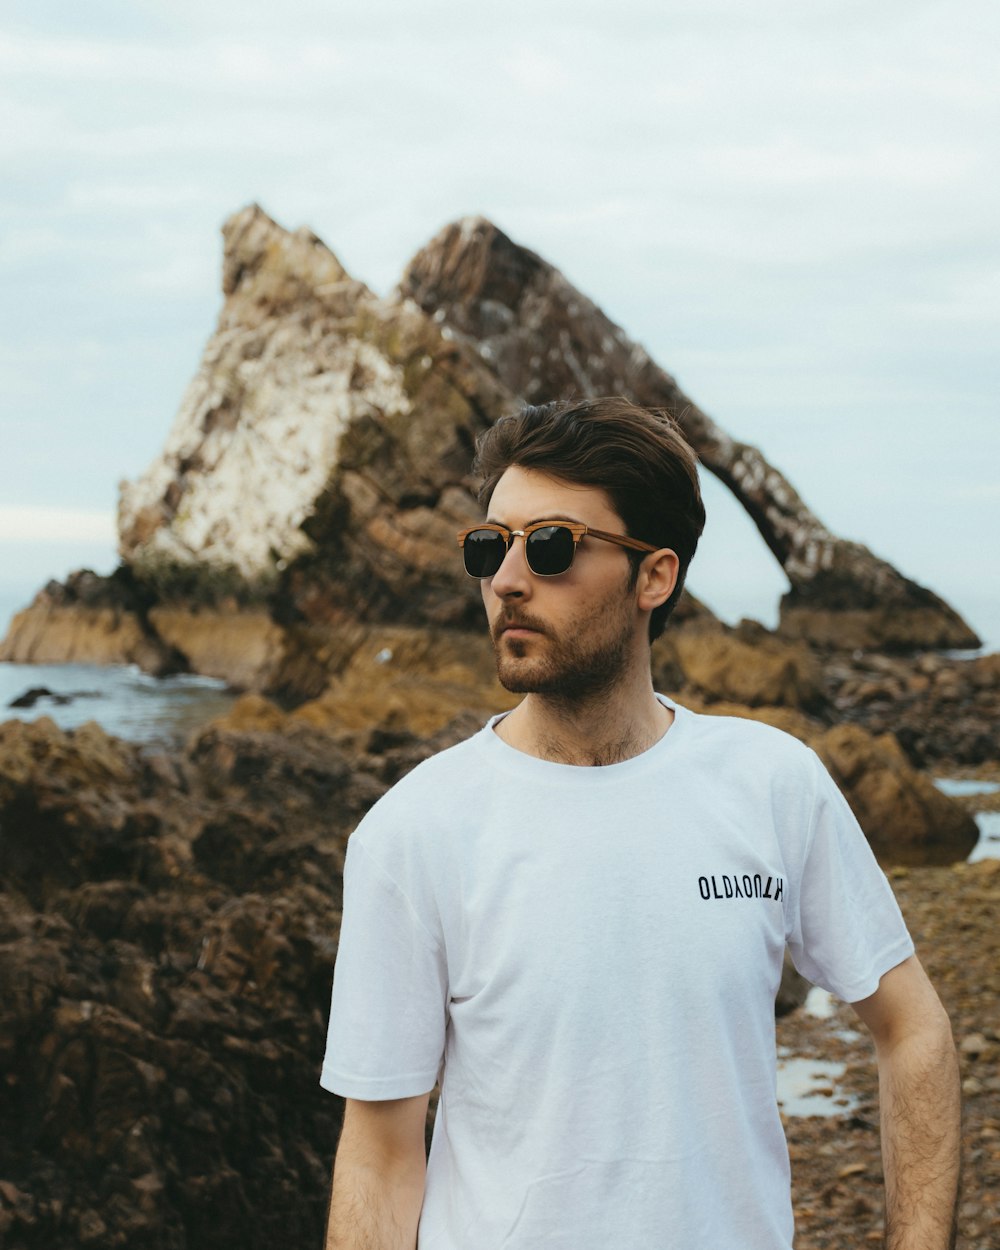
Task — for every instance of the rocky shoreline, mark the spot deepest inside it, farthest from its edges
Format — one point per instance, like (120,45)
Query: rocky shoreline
(169,917)
(168,926)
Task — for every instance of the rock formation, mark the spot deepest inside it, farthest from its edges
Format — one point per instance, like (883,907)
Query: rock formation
(545,339)
(165,953)
(90,620)
(325,440)
(315,476)
(318,468)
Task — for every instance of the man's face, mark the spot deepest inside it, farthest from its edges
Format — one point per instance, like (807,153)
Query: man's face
(573,635)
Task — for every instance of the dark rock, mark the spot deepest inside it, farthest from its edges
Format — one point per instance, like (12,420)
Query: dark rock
(792,991)
(33,696)
(165,963)
(942,711)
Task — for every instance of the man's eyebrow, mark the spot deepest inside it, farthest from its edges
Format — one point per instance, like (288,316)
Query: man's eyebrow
(546,516)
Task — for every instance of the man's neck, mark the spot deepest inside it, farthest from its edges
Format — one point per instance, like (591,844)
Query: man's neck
(605,729)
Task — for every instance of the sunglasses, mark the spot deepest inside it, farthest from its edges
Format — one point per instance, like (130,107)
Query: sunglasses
(549,546)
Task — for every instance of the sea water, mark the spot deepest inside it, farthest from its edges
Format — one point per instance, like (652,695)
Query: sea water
(120,698)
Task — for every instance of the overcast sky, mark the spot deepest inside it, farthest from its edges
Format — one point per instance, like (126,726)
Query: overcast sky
(792,205)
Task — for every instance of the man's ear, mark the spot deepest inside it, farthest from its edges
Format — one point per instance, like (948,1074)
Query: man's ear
(657,578)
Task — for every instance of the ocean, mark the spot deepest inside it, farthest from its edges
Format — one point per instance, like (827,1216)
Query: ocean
(121,699)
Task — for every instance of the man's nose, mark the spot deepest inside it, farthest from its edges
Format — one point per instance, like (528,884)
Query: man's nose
(513,577)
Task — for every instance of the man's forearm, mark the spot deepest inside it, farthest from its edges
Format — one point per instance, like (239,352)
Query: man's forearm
(378,1175)
(372,1208)
(919,1092)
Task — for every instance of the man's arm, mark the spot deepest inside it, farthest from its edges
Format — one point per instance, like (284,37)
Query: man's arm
(919,1096)
(378,1176)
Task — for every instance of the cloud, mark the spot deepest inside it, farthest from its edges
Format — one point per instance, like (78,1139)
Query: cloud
(537,72)
(792,206)
(40,524)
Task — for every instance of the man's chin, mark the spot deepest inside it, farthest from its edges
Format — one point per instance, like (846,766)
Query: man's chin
(518,678)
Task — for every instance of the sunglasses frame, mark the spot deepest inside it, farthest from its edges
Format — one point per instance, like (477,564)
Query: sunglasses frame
(576,528)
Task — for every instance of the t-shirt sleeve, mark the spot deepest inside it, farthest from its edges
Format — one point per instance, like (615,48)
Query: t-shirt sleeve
(388,1010)
(847,929)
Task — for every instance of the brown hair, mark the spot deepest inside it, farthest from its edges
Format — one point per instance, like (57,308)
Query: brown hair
(637,456)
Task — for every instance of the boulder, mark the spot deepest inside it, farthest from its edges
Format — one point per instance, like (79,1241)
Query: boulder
(243,647)
(412,680)
(72,808)
(906,818)
(753,668)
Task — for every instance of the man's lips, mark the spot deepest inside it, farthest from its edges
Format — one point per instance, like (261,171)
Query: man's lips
(516,629)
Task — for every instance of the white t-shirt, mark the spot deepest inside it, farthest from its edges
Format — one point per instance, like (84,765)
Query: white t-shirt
(588,959)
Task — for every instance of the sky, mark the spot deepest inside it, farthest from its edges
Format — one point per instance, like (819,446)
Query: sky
(792,206)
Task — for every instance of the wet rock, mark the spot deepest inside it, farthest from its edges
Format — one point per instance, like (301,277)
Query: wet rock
(36,693)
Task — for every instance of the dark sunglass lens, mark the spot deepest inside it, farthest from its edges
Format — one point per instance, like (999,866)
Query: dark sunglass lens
(550,550)
(484,551)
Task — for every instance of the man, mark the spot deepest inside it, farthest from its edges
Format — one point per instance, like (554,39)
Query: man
(575,921)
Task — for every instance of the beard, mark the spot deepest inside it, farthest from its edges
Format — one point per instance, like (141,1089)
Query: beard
(588,657)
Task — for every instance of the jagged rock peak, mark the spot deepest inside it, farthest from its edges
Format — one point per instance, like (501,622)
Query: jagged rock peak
(470,263)
(267,270)
(324,425)
(257,434)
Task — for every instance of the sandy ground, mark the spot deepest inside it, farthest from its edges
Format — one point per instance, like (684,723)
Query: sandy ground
(836,1168)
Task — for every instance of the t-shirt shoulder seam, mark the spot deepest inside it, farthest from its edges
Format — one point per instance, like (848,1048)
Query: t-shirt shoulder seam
(359,846)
